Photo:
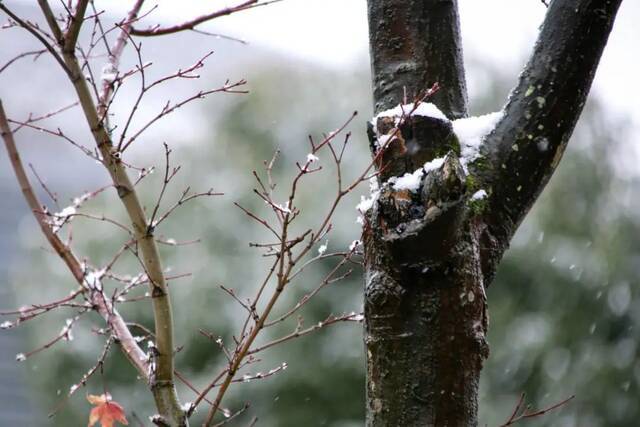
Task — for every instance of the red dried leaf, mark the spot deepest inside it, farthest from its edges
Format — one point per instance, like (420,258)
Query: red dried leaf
(106,411)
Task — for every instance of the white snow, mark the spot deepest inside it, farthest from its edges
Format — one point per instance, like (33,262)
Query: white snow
(282,208)
(66,332)
(68,211)
(373,184)
(93,279)
(358,317)
(323,248)
(543,144)
(411,181)
(479,195)
(312,158)
(408,181)
(433,164)
(366,203)
(20,357)
(354,245)
(109,73)
(6,325)
(58,219)
(425,109)
(471,131)
(383,140)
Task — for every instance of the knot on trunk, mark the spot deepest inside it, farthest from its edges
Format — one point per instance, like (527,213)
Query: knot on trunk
(420,204)
(403,143)
(421,227)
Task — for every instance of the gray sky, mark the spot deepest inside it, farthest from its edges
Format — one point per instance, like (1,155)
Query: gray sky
(334,32)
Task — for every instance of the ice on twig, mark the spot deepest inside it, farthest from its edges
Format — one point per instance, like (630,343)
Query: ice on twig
(7,325)
(93,279)
(58,219)
(66,332)
(109,73)
(323,248)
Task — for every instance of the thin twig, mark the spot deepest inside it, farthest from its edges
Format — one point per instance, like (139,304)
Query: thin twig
(189,25)
(522,412)
(40,38)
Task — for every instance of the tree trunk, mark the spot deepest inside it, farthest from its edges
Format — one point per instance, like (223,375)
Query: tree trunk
(430,252)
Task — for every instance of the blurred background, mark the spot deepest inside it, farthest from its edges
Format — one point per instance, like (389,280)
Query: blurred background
(564,308)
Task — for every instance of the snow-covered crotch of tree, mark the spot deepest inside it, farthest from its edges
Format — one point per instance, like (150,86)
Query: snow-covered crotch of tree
(453,191)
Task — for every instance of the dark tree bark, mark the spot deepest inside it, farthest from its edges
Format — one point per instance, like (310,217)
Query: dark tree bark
(430,254)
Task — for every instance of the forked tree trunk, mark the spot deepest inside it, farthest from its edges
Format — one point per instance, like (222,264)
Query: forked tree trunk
(430,253)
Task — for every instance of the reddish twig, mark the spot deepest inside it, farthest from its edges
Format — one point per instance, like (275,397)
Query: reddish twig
(522,412)
(190,25)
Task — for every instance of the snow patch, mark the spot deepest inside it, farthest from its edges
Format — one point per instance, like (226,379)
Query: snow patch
(470,132)
(109,73)
(424,109)
(7,325)
(479,195)
(411,181)
(366,203)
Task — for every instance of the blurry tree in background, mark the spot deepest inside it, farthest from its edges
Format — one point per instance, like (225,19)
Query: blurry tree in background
(564,309)
(291,242)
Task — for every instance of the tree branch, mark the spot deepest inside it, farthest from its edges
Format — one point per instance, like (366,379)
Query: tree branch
(51,21)
(71,37)
(414,44)
(521,154)
(40,38)
(130,347)
(163,386)
(190,25)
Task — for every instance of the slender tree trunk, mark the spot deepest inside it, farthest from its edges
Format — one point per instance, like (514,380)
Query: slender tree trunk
(430,253)
(425,300)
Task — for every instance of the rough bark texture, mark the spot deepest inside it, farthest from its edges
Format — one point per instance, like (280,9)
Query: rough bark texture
(524,150)
(415,43)
(429,254)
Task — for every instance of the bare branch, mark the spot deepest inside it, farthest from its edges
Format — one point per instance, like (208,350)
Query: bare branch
(51,21)
(189,25)
(522,412)
(299,332)
(168,108)
(40,38)
(131,349)
(35,53)
(71,37)
(522,152)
